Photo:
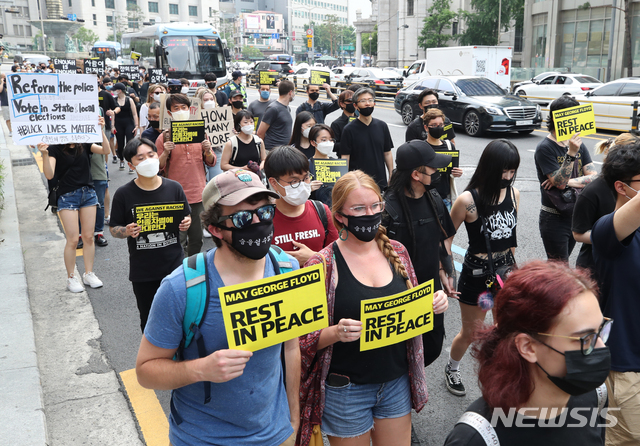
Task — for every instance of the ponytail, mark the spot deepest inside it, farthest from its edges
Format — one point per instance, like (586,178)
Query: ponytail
(387,250)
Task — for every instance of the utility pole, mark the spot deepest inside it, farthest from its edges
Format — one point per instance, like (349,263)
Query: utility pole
(44,36)
(611,38)
(113,21)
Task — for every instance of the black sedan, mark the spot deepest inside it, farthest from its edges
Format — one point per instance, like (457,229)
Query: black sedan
(381,81)
(474,103)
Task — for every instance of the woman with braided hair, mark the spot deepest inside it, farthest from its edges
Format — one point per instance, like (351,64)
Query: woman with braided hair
(354,389)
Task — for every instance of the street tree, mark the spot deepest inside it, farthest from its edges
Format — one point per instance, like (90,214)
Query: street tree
(370,47)
(251,53)
(86,37)
(481,24)
(439,17)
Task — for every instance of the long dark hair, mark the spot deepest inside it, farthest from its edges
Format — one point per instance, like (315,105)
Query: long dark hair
(75,151)
(301,118)
(499,155)
(400,182)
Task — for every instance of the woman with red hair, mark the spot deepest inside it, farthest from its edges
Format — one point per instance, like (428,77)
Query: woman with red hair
(542,365)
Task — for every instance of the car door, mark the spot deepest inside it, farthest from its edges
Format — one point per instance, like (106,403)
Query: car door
(452,108)
(601,98)
(542,91)
(621,108)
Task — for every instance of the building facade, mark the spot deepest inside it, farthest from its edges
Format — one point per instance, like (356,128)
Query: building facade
(263,30)
(15,28)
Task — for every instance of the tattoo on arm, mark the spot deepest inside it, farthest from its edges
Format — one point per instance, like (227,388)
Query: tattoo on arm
(589,169)
(561,176)
(118,231)
(471,208)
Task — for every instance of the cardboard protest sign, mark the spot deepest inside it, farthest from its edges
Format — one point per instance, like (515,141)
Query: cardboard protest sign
(159,224)
(393,319)
(157,76)
(572,120)
(267,77)
(65,66)
(54,108)
(270,311)
(132,71)
(187,132)
(93,66)
(135,55)
(218,125)
(328,171)
(319,77)
(455,160)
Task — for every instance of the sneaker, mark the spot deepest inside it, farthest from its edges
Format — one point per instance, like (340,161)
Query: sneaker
(91,280)
(130,170)
(100,240)
(10,134)
(74,285)
(80,243)
(121,165)
(107,219)
(206,234)
(114,160)
(454,382)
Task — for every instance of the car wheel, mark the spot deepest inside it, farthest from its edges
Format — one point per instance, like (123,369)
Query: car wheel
(472,124)
(525,132)
(521,93)
(407,113)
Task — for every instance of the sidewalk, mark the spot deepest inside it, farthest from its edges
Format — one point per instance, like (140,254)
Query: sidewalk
(57,386)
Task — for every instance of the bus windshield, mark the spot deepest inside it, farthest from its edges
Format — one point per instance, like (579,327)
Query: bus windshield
(193,56)
(106,52)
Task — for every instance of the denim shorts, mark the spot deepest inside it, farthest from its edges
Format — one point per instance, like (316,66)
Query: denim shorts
(474,274)
(349,411)
(79,198)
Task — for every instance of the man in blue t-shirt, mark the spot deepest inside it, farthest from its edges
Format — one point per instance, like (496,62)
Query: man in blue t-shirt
(616,253)
(249,405)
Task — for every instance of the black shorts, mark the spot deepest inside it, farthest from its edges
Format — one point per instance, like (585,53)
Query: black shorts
(474,275)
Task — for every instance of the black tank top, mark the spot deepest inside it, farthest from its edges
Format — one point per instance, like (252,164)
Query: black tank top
(502,220)
(125,110)
(246,153)
(372,366)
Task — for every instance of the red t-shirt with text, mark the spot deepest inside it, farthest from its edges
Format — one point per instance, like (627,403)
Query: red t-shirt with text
(306,228)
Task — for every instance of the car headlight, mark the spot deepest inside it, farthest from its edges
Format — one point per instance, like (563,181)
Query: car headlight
(494,111)
(538,109)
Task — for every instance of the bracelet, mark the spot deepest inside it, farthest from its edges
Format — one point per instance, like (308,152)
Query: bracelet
(570,157)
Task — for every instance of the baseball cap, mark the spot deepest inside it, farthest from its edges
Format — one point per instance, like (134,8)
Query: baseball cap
(232,187)
(236,74)
(235,93)
(416,153)
(120,86)
(174,82)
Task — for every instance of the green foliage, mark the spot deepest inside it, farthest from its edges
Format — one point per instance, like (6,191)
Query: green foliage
(252,53)
(86,36)
(329,35)
(118,37)
(374,42)
(482,25)
(439,17)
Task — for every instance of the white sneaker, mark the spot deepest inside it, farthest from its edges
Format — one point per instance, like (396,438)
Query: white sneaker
(74,285)
(10,134)
(91,280)
(107,219)
(206,234)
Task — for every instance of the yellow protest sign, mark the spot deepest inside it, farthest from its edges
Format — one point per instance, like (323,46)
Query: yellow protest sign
(268,77)
(319,77)
(328,170)
(135,56)
(392,319)
(572,120)
(455,160)
(159,217)
(269,311)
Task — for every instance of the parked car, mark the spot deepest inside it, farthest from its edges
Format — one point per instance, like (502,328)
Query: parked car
(555,85)
(283,69)
(613,103)
(474,103)
(398,71)
(379,80)
(301,77)
(338,74)
(533,80)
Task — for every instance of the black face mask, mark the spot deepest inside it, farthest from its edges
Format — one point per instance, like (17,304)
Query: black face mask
(154,124)
(505,183)
(584,373)
(238,104)
(366,111)
(253,241)
(436,132)
(364,227)
(435,179)
(350,108)
(211,85)
(314,96)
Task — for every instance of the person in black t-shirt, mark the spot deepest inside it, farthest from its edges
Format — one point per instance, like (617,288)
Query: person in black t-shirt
(300,136)
(496,202)
(542,364)
(366,142)
(249,147)
(555,168)
(427,100)
(76,200)
(151,256)
(348,115)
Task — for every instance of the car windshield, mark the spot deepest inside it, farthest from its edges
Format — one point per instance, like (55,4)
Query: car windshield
(587,80)
(479,87)
(193,56)
(281,67)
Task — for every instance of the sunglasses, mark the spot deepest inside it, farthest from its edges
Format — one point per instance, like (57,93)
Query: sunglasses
(242,219)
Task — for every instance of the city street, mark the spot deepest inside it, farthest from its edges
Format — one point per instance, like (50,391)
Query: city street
(115,308)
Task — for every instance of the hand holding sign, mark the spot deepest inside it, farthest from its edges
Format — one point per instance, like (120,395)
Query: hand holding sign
(348,330)
(574,144)
(223,365)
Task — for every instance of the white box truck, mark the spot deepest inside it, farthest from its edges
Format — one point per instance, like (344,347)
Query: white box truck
(492,62)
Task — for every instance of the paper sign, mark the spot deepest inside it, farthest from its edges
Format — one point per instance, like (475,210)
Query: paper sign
(393,319)
(159,224)
(572,120)
(93,66)
(187,132)
(132,71)
(157,76)
(218,125)
(65,66)
(455,160)
(54,108)
(319,77)
(268,77)
(165,119)
(270,311)
(328,170)
(135,55)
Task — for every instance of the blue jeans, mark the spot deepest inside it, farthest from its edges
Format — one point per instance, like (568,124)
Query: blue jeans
(215,170)
(100,187)
(79,198)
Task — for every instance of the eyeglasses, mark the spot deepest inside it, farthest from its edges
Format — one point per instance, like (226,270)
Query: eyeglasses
(588,341)
(360,210)
(367,101)
(295,183)
(242,219)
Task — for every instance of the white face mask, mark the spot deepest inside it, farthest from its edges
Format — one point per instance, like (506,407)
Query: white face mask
(208,105)
(148,168)
(181,115)
(156,97)
(306,131)
(184,90)
(296,196)
(325,147)
(247,129)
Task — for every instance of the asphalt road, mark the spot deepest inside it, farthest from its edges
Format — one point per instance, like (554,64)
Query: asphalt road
(116,311)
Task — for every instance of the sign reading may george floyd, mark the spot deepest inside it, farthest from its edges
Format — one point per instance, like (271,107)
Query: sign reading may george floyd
(570,121)
(270,311)
(54,108)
